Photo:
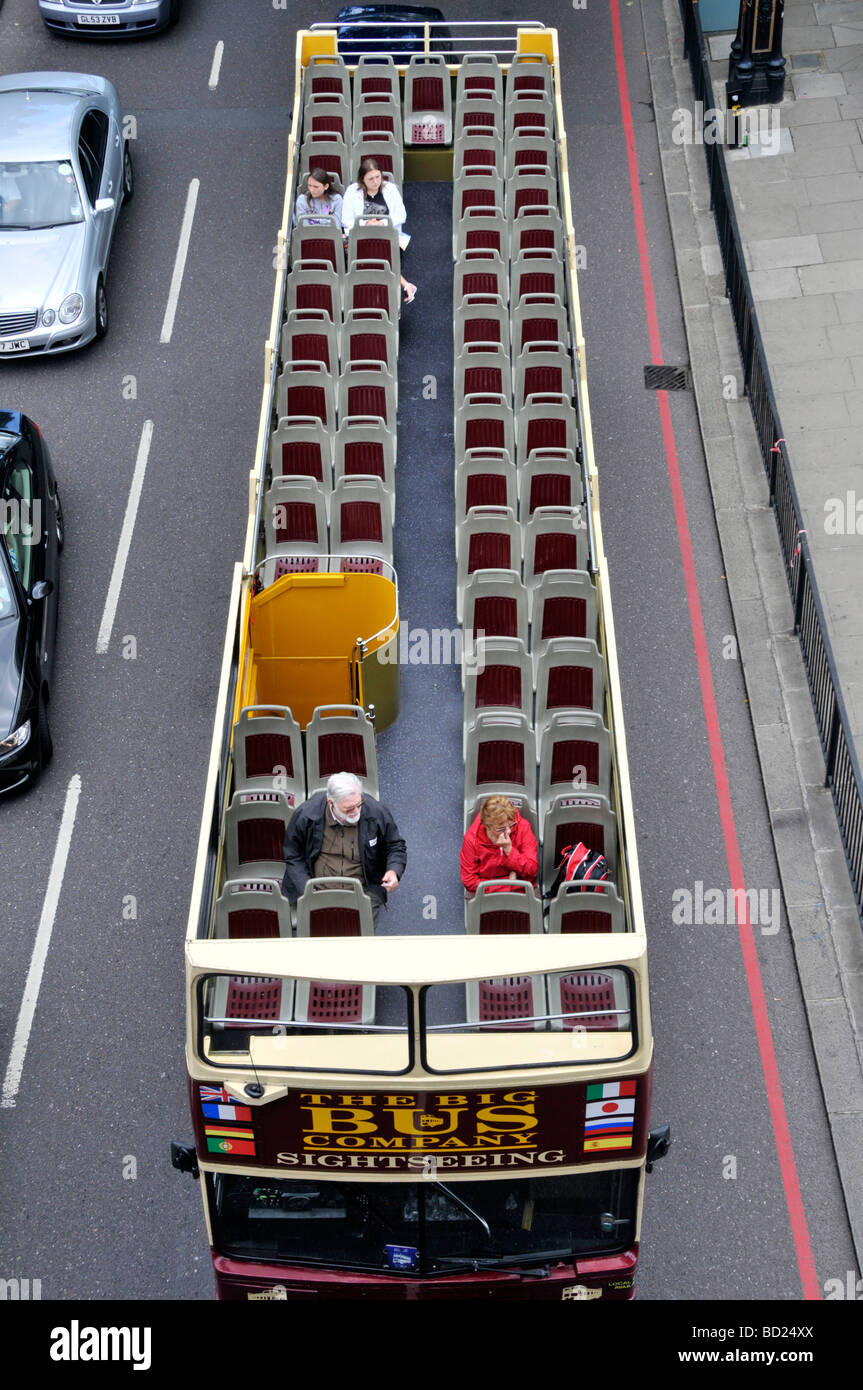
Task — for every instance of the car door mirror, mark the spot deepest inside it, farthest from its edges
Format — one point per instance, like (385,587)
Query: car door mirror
(104,205)
(41,589)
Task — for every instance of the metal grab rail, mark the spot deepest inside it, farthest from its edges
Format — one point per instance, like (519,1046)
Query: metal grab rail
(842,767)
(450,31)
(391,626)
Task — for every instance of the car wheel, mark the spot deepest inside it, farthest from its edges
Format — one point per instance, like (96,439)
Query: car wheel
(46,743)
(58,521)
(174,13)
(128,176)
(101,309)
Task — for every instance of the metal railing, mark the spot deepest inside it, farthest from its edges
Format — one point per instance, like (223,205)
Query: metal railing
(450,38)
(843,775)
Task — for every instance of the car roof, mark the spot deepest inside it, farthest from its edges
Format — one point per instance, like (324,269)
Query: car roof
(391,12)
(38,112)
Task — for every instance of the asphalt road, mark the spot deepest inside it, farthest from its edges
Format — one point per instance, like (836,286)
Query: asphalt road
(90,1204)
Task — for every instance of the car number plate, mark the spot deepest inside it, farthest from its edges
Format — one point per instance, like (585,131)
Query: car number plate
(15,345)
(97,19)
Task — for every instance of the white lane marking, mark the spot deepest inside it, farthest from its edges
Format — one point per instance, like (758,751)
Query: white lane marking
(27,1013)
(180,262)
(217,63)
(125,540)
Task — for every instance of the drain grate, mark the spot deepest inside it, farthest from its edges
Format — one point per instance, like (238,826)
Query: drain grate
(666,378)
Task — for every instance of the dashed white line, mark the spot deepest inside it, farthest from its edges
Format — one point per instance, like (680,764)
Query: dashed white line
(217,64)
(125,540)
(180,262)
(27,1013)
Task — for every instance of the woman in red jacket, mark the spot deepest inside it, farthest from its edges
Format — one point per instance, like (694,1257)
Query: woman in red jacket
(499,844)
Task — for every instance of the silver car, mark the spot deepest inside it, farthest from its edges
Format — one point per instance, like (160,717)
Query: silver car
(65,171)
(92,18)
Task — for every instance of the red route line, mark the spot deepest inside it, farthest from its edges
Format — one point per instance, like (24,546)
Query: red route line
(779,1120)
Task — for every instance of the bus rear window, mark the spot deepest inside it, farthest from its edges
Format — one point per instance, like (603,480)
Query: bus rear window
(559,1019)
(286,1023)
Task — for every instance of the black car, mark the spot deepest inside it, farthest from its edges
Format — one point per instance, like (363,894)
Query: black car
(395,29)
(31,527)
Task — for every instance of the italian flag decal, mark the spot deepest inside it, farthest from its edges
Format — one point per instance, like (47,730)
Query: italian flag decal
(609,1116)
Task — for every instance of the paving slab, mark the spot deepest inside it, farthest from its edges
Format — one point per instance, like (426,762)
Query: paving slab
(835,132)
(840,246)
(804,414)
(815,378)
(847,61)
(776,284)
(835,11)
(849,307)
(805,37)
(845,339)
(832,277)
(839,217)
(778,251)
(810,163)
(834,188)
(818,84)
(795,316)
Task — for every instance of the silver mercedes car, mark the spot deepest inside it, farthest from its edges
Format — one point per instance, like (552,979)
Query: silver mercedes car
(93,19)
(65,171)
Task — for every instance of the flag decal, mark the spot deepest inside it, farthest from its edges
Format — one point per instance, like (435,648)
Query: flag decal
(609,1116)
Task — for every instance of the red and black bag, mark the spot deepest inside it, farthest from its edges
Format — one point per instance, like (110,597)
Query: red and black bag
(580,865)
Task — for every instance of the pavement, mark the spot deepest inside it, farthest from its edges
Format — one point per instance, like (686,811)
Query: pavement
(798,196)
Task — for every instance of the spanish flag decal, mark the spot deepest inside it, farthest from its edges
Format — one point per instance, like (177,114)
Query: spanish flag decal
(609,1116)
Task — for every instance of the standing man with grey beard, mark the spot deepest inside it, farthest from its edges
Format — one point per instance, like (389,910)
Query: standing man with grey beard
(342,833)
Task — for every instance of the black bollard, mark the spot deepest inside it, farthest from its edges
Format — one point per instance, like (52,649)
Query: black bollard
(756,66)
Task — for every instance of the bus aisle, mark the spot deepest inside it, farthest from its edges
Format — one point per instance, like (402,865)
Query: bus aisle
(419,756)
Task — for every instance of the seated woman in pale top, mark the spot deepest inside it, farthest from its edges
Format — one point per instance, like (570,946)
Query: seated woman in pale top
(374,198)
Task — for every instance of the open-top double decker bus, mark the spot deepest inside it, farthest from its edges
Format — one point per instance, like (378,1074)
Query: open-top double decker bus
(454,1105)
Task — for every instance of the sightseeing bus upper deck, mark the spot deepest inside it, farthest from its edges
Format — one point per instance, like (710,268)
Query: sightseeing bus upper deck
(394,1115)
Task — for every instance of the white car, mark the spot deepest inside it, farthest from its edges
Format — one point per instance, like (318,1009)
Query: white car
(65,172)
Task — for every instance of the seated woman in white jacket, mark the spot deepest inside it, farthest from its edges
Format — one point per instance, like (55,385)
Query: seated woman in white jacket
(373,195)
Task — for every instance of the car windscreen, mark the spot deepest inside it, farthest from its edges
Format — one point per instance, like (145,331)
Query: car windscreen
(436,1227)
(41,193)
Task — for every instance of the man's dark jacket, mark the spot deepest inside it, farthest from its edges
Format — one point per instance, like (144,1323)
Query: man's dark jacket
(381,848)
